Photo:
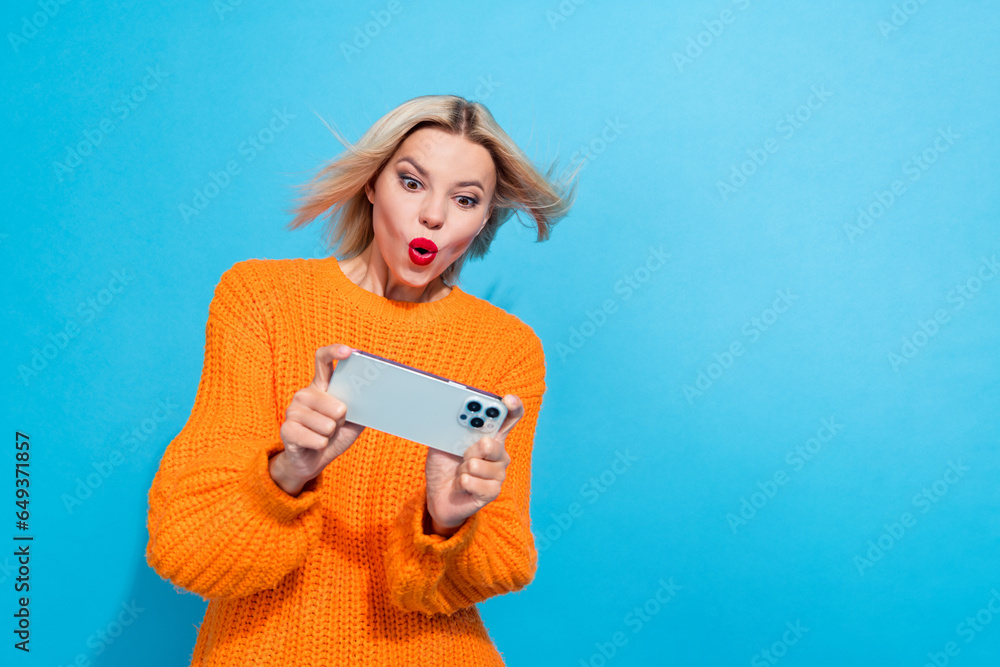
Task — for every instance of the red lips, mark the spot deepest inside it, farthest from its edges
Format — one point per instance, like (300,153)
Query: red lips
(422,251)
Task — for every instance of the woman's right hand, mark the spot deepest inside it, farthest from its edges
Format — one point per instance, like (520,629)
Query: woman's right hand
(315,431)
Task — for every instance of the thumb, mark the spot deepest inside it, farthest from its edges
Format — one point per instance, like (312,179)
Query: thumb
(515,410)
(326,358)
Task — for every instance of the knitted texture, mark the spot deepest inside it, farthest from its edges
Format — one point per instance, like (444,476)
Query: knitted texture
(343,573)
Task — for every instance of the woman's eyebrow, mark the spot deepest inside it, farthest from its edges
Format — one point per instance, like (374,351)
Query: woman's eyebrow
(423,173)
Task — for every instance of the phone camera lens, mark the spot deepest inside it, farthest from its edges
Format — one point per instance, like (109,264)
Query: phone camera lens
(474,406)
(476,422)
(492,413)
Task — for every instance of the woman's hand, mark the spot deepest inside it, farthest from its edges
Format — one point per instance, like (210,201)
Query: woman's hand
(459,486)
(315,431)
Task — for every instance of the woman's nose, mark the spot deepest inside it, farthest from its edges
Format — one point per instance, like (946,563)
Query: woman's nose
(433,212)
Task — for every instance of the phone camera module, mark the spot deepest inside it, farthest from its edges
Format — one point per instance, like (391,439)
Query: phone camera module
(479,416)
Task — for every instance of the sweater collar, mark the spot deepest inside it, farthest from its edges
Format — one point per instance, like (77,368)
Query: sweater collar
(388,309)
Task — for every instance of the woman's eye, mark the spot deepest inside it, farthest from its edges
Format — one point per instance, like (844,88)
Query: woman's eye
(464,200)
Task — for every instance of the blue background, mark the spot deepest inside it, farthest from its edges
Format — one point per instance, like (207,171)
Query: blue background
(663,105)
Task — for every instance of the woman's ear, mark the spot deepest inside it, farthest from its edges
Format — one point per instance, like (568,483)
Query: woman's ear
(370,191)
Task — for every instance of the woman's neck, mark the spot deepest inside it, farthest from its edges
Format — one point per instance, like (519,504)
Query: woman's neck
(359,271)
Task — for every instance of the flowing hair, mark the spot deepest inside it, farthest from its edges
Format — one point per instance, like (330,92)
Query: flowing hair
(340,184)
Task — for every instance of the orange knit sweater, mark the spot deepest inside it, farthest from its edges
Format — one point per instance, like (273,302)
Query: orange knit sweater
(343,573)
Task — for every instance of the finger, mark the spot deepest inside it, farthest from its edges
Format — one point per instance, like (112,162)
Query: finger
(315,421)
(325,358)
(487,449)
(482,490)
(300,436)
(325,404)
(476,450)
(491,470)
(515,410)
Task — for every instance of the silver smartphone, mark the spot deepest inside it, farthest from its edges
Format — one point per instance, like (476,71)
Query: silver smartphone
(410,403)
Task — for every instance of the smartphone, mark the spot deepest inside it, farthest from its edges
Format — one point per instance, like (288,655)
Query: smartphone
(413,404)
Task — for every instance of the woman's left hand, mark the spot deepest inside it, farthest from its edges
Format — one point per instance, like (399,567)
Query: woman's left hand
(459,486)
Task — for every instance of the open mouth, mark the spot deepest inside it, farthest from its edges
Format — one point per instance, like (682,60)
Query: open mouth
(422,244)
(422,251)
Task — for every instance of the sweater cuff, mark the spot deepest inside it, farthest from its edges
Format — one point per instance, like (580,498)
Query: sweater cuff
(416,518)
(271,498)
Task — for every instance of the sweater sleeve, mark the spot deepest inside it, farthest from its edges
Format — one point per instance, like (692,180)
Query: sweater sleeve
(218,524)
(493,552)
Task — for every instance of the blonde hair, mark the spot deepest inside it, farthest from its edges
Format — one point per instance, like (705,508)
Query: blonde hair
(519,186)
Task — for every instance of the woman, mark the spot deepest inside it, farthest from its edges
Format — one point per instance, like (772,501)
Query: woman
(320,542)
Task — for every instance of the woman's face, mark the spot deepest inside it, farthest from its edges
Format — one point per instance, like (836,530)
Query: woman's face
(429,202)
